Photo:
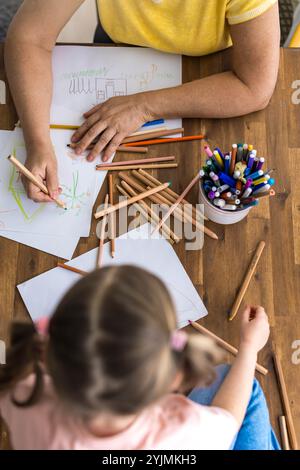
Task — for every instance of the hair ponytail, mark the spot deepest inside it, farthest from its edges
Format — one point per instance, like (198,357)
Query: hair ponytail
(24,356)
(197,362)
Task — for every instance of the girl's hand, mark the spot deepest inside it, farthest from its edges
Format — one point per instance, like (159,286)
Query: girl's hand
(111,121)
(255,329)
(44,167)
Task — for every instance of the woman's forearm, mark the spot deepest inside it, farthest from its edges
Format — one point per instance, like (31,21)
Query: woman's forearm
(29,73)
(221,95)
(235,392)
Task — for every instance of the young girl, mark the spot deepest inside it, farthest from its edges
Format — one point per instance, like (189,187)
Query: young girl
(104,372)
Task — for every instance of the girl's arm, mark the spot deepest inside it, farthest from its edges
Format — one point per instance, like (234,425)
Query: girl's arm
(235,392)
(28,49)
(246,88)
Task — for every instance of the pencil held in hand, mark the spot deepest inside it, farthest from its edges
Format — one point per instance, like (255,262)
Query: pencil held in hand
(25,172)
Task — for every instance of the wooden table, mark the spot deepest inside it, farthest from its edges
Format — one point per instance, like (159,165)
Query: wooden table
(217,270)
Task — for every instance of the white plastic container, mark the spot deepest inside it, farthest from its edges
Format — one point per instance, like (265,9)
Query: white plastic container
(218,215)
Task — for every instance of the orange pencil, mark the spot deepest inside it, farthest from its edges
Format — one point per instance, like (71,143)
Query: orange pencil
(167,141)
(71,268)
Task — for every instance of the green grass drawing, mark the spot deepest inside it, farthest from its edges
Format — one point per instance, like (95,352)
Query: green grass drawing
(74,200)
(18,193)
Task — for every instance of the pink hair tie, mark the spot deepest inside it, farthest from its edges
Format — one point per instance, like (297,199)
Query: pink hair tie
(42,325)
(178,340)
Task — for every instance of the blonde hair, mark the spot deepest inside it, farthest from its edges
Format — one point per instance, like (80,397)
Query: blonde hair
(109,346)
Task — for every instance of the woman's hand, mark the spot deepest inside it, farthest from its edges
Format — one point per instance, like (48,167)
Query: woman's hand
(255,329)
(111,122)
(43,166)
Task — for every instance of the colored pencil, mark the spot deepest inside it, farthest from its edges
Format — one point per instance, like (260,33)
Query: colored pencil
(247,279)
(150,214)
(131,200)
(121,149)
(167,140)
(176,204)
(172,195)
(152,135)
(71,268)
(285,400)
(137,162)
(153,166)
(112,218)
(22,169)
(221,342)
(102,233)
(177,214)
(284,433)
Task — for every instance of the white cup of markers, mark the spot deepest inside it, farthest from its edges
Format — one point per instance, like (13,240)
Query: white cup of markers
(232,183)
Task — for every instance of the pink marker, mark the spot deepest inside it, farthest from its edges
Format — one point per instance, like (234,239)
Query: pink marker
(208,151)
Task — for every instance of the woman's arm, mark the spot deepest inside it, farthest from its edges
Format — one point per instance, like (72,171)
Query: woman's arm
(235,392)
(246,88)
(28,49)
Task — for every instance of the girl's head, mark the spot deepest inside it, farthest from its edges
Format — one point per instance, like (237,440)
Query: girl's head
(111,347)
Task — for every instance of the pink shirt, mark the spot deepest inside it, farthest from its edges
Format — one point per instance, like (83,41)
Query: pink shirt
(174,422)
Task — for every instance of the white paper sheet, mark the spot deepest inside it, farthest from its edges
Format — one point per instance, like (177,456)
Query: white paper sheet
(85,76)
(42,294)
(77,178)
(61,246)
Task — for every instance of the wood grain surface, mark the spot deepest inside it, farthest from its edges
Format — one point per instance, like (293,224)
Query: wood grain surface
(218,269)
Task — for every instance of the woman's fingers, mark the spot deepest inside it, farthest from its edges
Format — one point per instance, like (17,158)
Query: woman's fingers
(112,147)
(85,127)
(103,141)
(90,136)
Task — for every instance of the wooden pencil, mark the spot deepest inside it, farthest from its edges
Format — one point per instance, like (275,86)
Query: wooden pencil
(112,218)
(285,400)
(151,166)
(247,279)
(71,268)
(152,135)
(121,148)
(148,179)
(75,127)
(284,433)
(178,201)
(145,210)
(169,234)
(270,193)
(221,342)
(22,169)
(156,129)
(102,234)
(178,214)
(131,200)
(167,140)
(137,162)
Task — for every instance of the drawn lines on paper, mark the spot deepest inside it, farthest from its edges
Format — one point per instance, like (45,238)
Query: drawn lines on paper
(102,88)
(17,191)
(74,199)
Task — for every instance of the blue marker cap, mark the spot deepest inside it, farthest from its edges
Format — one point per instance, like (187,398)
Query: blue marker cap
(227,179)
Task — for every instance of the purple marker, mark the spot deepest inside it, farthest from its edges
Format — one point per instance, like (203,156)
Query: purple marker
(261,161)
(251,161)
(211,195)
(248,183)
(208,151)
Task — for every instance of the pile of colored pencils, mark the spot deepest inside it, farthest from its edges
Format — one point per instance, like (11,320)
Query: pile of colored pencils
(235,180)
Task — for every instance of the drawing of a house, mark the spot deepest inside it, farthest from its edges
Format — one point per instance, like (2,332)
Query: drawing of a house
(108,87)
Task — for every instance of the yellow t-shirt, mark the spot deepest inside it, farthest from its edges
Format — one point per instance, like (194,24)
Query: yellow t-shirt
(190,27)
